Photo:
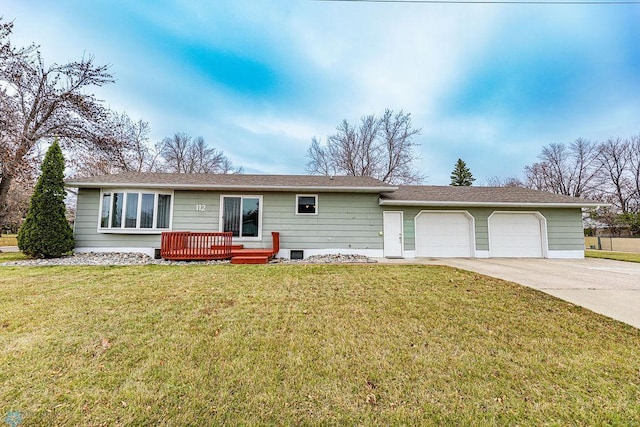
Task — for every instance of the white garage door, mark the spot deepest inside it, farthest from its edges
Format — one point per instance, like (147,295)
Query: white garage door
(516,235)
(444,234)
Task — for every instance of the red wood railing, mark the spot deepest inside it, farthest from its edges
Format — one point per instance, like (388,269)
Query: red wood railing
(187,245)
(275,245)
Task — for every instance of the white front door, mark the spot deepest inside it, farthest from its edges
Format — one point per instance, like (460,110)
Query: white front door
(393,239)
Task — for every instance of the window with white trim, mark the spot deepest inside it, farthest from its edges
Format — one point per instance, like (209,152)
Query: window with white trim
(134,210)
(242,215)
(306,204)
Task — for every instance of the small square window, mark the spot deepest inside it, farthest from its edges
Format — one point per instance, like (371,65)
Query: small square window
(306,204)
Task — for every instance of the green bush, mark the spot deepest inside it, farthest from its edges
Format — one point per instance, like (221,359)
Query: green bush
(633,221)
(45,232)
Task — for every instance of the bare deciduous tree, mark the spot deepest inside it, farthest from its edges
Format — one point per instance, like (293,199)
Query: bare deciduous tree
(124,147)
(397,135)
(17,204)
(510,181)
(38,103)
(182,154)
(381,147)
(614,157)
(320,162)
(7,50)
(201,158)
(607,171)
(569,170)
(634,164)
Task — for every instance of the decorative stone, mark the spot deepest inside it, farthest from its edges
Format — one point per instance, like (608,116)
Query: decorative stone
(120,258)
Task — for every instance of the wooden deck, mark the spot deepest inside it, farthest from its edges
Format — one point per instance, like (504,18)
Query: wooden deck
(190,246)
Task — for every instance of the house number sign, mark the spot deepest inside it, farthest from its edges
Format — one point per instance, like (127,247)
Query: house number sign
(201,208)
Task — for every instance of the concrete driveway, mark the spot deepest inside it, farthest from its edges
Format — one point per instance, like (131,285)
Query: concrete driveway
(607,287)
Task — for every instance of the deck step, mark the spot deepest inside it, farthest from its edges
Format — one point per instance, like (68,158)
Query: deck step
(252,252)
(249,260)
(233,247)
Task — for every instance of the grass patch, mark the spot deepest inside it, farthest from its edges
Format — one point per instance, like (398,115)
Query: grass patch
(619,256)
(312,344)
(9,240)
(12,256)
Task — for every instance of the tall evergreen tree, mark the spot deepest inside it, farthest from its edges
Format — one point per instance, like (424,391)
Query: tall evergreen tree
(461,175)
(45,232)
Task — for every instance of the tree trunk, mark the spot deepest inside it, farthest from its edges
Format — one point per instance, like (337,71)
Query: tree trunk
(5,183)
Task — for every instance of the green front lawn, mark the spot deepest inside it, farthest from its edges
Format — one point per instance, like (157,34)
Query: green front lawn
(305,344)
(12,256)
(619,256)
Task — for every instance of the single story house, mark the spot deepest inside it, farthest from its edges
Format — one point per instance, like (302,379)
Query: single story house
(127,212)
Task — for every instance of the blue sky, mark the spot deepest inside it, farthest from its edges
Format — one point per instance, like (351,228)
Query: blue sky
(487,83)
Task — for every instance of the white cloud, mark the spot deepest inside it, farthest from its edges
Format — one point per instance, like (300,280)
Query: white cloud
(275,126)
(343,60)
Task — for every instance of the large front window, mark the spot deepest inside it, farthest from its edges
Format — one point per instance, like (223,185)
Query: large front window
(133,210)
(242,216)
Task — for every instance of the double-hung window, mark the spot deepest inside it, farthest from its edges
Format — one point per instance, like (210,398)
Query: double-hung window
(242,215)
(134,211)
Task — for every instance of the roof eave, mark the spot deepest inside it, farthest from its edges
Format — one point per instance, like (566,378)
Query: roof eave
(217,187)
(431,203)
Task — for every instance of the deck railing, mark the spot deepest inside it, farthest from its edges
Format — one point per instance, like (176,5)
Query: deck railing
(187,245)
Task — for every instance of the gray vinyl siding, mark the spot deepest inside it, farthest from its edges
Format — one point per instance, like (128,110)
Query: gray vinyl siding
(564,229)
(344,220)
(187,218)
(481,216)
(564,226)
(86,227)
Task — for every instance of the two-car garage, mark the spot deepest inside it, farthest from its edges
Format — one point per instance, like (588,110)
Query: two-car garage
(452,234)
(487,222)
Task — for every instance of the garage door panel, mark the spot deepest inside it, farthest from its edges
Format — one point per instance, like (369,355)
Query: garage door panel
(443,234)
(515,235)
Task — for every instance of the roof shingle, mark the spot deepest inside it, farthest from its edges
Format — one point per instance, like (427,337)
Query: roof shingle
(405,195)
(233,181)
(440,195)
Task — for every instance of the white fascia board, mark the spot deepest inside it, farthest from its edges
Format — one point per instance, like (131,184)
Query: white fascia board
(489,204)
(234,187)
